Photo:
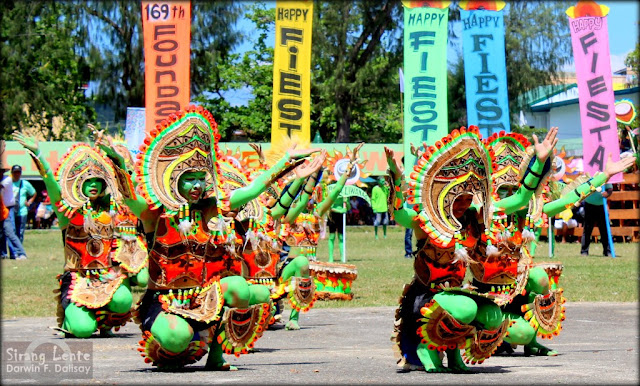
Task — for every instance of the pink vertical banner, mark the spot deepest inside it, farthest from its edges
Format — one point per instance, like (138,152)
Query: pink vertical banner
(590,40)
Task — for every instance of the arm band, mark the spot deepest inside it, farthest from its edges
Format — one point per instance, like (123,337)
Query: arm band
(284,207)
(534,173)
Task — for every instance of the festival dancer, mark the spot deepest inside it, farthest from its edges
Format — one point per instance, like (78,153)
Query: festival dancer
(537,311)
(94,293)
(458,269)
(302,234)
(130,246)
(194,272)
(261,243)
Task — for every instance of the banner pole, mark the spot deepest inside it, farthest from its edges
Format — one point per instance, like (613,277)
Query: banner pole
(609,235)
(344,232)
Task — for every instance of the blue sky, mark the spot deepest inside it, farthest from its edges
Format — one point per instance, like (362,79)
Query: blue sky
(623,30)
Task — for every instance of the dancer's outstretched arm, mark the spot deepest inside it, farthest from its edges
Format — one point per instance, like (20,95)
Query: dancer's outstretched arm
(53,188)
(288,195)
(302,201)
(401,213)
(245,194)
(105,142)
(126,183)
(303,172)
(589,187)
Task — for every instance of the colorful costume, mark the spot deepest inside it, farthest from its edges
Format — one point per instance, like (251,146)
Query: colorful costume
(301,232)
(535,300)
(130,246)
(537,311)
(94,292)
(196,299)
(262,239)
(461,268)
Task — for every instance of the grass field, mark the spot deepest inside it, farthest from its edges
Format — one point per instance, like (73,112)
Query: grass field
(382,270)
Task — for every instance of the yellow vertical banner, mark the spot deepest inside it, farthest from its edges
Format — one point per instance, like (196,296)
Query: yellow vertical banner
(291,112)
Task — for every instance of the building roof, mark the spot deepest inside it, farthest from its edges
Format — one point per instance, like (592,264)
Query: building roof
(542,92)
(569,97)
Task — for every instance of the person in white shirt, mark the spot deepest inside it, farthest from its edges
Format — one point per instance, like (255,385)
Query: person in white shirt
(9,237)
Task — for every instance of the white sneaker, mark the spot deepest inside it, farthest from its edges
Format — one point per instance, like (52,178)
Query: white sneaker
(21,257)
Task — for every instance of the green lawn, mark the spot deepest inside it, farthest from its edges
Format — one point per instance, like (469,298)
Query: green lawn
(382,270)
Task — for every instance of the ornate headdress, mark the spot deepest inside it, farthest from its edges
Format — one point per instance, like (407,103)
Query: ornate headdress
(513,155)
(186,142)
(458,164)
(509,150)
(79,164)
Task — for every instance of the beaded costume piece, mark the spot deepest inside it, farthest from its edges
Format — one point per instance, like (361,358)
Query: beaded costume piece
(129,247)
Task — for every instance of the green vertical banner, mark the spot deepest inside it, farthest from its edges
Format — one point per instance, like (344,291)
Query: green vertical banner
(485,68)
(425,74)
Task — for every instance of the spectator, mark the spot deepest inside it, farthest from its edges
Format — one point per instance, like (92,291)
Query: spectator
(354,213)
(43,213)
(379,199)
(594,214)
(25,195)
(10,238)
(565,228)
(408,247)
(4,212)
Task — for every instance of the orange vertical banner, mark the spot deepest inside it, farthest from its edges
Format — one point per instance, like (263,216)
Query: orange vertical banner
(167,39)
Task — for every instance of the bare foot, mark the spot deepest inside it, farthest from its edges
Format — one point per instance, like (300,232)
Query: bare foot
(292,325)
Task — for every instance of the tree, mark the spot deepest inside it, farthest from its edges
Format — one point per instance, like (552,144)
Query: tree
(42,75)
(115,52)
(251,72)
(115,48)
(357,49)
(633,61)
(456,97)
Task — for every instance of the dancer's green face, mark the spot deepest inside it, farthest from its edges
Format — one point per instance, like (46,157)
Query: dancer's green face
(191,186)
(461,204)
(93,187)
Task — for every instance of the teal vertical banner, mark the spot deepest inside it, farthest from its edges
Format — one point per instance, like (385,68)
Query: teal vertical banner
(425,78)
(485,70)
